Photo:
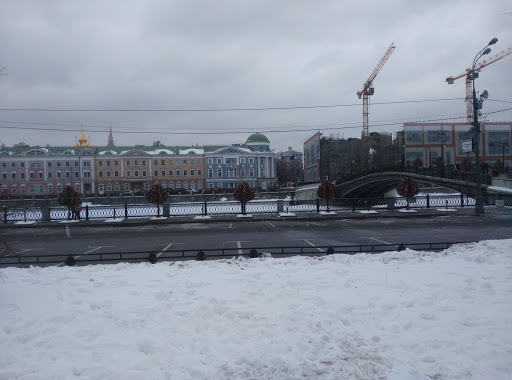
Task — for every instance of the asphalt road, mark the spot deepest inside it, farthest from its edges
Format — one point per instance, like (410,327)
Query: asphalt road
(235,237)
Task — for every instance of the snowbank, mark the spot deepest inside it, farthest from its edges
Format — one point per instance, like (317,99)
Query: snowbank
(397,315)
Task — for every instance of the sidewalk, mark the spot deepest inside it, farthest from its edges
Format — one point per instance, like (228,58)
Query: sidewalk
(491,211)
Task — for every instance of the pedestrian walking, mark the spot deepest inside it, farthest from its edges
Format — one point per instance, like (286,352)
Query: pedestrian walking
(77,210)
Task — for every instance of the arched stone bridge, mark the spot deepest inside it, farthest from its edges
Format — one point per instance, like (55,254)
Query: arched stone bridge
(377,184)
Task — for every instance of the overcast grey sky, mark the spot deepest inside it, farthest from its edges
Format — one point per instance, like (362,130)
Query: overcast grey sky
(190,55)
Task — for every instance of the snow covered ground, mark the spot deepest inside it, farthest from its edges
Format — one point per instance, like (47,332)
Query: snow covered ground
(396,315)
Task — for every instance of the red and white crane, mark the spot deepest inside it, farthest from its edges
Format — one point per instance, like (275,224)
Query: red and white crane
(368,90)
(469,80)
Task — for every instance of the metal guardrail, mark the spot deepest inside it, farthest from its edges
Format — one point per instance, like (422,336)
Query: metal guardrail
(214,253)
(254,207)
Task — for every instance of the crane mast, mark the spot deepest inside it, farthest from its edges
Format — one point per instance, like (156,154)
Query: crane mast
(368,90)
(469,80)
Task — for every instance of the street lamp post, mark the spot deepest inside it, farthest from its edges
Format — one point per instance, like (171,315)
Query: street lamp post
(479,206)
(504,144)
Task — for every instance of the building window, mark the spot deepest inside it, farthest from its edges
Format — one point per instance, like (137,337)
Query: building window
(191,162)
(251,172)
(109,187)
(128,173)
(136,163)
(198,162)
(40,175)
(251,160)
(32,189)
(22,164)
(210,173)
(100,174)
(22,175)
(210,161)
(4,165)
(50,175)
(77,188)
(88,163)
(87,174)
(31,174)
(163,162)
(4,175)
(184,162)
(41,188)
(163,173)
(170,173)
(185,185)
(199,172)
(156,173)
(77,174)
(68,174)
(136,173)
(49,164)
(108,162)
(128,163)
(58,163)
(100,188)
(144,173)
(117,187)
(192,185)
(23,190)
(185,172)
(178,172)
(210,185)
(116,174)
(126,186)
(109,173)
(178,185)
(146,186)
(171,185)
(192,172)
(13,189)
(50,188)
(116,163)
(59,188)
(143,162)
(231,173)
(155,162)
(100,163)
(199,185)
(13,175)
(76,163)
(219,160)
(59,174)
(242,160)
(13,164)
(177,162)
(219,173)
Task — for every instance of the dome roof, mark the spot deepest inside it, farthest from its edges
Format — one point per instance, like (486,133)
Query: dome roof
(257,138)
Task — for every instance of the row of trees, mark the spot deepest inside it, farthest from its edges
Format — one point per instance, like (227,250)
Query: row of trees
(243,193)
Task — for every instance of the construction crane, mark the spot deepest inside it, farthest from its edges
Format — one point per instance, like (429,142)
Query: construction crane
(369,90)
(469,80)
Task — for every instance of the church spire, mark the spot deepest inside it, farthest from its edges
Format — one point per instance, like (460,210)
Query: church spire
(110,138)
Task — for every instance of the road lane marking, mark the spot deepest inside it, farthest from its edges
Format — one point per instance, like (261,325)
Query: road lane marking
(239,245)
(163,250)
(230,224)
(144,228)
(272,225)
(85,253)
(311,244)
(380,241)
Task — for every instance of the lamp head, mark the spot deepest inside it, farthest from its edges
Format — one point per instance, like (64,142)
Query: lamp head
(485,94)
(493,41)
(486,51)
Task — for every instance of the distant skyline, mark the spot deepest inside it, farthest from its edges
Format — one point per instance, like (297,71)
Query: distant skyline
(213,73)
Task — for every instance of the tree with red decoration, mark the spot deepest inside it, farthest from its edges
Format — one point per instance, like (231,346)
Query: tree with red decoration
(417,163)
(158,195)
(327,191)
(244,193)
(69,198)
(408,188)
